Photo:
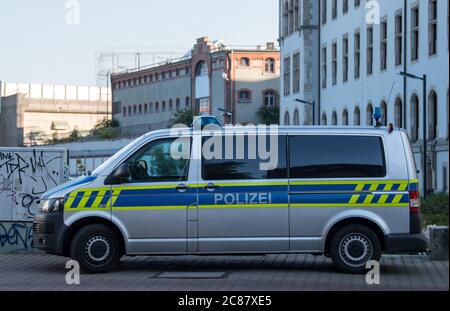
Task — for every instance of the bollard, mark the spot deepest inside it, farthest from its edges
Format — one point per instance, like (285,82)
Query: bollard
(438,242)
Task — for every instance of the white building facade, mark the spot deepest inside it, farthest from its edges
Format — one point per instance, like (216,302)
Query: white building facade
(364,45)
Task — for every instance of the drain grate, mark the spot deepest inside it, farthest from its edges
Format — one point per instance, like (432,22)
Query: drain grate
(190,275)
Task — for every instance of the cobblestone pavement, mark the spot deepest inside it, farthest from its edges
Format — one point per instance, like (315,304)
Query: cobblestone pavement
(256,273)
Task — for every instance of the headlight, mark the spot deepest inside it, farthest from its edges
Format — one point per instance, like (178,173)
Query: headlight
(52,205)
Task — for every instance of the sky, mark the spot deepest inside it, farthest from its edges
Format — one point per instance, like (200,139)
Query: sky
(37,45)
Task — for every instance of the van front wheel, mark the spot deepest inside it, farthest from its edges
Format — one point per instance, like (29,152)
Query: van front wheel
(353,246)
(96,248)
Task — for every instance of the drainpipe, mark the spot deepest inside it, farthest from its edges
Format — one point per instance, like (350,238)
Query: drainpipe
(405,59)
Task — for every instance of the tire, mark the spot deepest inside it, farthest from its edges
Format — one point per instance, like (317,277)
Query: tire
(353,246)
(97,249)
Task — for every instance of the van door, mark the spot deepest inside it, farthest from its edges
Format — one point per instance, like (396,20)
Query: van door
(243,207)
(152,204)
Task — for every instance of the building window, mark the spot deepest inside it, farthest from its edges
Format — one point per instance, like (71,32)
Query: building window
(124,112)
(297,15)
(432,116)
(369,115)
(383,45)
(296,73)
(432,27)
(324,67)
(415,118)
(129,110)
(296,120)
(170,105)
(357,117)
(156,107)
(151,108)
(163,106)
(244,96)
(285,18)
(177,104)
(287,76)
(357,55)
(269,65)
(398,112)
(334,118)
(345,59)
(345,118)
(334,9)
(291,17)
(244,62)
(324,119)
(370,50)
(383,108)
(269,98)
(134,109)
(398,39)
(145,108)
(324,11)
(140,109)
(357,3)
(415,33)
(286,118)
(334,63)
(345,6)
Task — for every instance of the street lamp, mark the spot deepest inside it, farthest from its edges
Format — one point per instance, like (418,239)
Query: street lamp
(312,104)
(424,142)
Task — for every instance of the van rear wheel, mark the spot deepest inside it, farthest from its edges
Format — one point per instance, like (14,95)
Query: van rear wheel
(96,248)
(353,246)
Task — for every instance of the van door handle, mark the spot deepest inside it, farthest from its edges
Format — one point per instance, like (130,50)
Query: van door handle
(211,187)
(182,188)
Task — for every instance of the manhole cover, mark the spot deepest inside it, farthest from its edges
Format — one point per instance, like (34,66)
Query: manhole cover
(190,275)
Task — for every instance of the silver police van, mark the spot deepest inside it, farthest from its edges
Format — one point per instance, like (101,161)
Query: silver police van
(347,193)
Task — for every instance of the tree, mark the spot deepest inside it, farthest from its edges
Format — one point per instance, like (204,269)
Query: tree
(269,114)
(182,117)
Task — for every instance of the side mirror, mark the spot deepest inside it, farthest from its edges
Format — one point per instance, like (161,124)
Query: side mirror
(122,172)
(118,175)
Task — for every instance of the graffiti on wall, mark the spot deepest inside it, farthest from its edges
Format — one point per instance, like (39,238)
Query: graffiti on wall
(16,235)
(24,177)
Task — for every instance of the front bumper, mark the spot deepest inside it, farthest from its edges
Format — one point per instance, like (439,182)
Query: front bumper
(48,232)
(398,243)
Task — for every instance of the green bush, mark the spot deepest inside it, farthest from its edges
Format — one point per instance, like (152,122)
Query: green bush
(185,117)
(269,114)
(435,209)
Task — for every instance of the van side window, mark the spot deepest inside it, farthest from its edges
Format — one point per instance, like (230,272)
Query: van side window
(154,163)
(242,163)
(315,156)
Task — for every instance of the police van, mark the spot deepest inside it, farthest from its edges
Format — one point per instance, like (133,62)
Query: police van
(347,193)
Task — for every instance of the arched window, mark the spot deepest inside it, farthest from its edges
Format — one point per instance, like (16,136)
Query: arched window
(124,112)
(177,104)
(334,118)
(383,108)
(369,115)
(398,108)
(244,62)
(187,102)
(244,96)
(287,118)
(134,109)
(163,105)
(140,108)
(269,65)
(296,117)
(324,119)
(345,118)
(129,110)
(170,105)
(151,108)
(432,115)
(269,98)
(201,69)
(357,117)
(156,107)
(414,118)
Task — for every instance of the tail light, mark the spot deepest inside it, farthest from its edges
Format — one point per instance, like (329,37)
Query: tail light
(414,202)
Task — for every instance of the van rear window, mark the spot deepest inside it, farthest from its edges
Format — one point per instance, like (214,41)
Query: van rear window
(332,156)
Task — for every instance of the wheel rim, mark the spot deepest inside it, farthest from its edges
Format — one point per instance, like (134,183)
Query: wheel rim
(355,249)
(98,249)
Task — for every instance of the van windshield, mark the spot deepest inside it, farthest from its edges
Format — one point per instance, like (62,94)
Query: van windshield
(118,155)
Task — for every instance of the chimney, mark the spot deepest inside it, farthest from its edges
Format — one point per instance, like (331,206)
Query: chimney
(270,46)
